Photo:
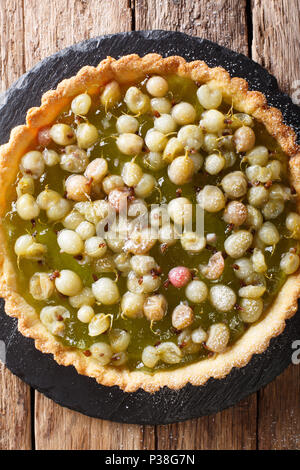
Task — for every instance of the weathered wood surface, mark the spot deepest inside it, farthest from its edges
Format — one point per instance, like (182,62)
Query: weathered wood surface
(279,412)
(276,38)
(47,31)
(51,25)
(60,428)
(223,21)
(15,416)
(233,429)
(11,41)
(276,46)
(15,420)
(31,30)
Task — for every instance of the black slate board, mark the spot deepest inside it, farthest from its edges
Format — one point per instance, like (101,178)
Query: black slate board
(63,384)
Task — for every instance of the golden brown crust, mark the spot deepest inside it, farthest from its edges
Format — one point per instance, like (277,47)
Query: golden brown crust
(129,69)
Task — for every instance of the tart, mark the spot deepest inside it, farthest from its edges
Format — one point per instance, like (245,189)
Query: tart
(150,223)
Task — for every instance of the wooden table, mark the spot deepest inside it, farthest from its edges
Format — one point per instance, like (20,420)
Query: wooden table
(266,30)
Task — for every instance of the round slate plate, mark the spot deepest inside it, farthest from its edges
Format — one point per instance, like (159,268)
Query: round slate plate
(63,384)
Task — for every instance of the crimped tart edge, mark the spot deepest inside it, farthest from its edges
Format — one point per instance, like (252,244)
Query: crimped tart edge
(130,69)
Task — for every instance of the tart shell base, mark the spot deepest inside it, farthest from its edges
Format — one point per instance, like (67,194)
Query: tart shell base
(92,52)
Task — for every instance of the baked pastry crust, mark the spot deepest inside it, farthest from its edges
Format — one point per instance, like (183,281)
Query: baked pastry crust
(131,68)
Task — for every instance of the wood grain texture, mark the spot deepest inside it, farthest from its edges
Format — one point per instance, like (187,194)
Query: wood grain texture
(276,46)
(279,412)
(12,41)
(51,25)
(46,31)
(15,419)
(276,39)
(60,428)
(223,21)
(234,429)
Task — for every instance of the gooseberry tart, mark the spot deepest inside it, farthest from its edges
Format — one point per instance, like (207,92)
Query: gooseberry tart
(104,260)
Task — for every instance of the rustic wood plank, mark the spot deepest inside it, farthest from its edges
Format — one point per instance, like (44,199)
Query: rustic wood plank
(276,46)
(279,414)
(46,31)
(51,26)
(234,429)
(276,41)
(15,419)
(11,43)
(223,21)
(15,414)
(63,429)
